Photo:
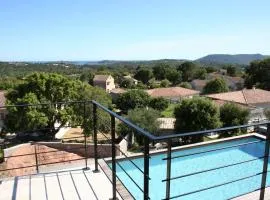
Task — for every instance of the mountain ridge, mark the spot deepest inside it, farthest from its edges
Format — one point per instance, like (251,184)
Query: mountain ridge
(242,59)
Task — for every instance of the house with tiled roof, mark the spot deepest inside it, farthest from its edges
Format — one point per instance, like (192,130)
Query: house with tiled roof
(3,111)
(173,93)
(104,81)
(254,99)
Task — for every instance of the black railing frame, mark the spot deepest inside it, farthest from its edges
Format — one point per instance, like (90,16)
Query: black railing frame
(148,138)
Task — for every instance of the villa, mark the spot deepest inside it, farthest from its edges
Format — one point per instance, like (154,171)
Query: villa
(104,81)
(256,100)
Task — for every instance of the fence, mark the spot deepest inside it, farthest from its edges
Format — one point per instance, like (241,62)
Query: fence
(103,122)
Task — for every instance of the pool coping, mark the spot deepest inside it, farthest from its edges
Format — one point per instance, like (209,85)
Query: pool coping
(123,191)
(160,151)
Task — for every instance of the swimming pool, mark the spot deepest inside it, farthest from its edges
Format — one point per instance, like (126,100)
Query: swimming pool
(199,162)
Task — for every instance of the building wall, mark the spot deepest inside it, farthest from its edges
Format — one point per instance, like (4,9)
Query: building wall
(107,85)
(110,84)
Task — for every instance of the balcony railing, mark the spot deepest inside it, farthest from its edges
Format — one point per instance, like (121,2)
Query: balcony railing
(103,123)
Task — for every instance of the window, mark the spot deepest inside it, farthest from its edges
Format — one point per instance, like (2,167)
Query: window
(108,83)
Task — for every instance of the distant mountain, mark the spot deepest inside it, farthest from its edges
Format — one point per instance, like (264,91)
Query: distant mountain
(242,59)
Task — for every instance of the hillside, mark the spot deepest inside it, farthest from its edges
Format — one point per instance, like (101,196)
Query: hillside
(242,59)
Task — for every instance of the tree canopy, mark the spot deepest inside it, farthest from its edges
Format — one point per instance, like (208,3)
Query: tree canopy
(217,85)
(132,99)
(196,114)
(50,88)
(159,103)
(145,118)
(188,70)
(258,74)
(144,75)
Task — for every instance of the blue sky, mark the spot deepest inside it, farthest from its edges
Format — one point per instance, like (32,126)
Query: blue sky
(131,30)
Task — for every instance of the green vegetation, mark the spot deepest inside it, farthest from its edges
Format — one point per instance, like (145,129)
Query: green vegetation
(49,88)
(165,83)
(258,74)
(143,117)
(159,103)
(169,111)
(194,115)
(217,85)
(232,115)
(185,85)
(144,75)
(1,155)
(132,99)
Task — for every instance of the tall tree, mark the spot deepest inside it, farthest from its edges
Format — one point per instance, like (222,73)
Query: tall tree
(217,85)
(144,75)
(258,74)
(233,115)
(188,70)
(160,70)
(196,114)
(132,99)
(50,89)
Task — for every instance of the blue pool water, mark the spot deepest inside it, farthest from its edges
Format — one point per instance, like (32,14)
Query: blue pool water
(199,162)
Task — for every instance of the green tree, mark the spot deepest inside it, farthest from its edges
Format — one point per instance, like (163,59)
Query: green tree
(217,85)
(258,74)
(50,88)
(87,77)
(144,75)
(196,114)
(152,84)
(165,83)
(185,85)
(231,70)
(127,83)
(200,73)
(160,70)
(132,99)
(188,70)
(159,103)
(233,115)
(174,76)
(145,118)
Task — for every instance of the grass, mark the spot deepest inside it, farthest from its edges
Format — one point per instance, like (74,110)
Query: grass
(168,112)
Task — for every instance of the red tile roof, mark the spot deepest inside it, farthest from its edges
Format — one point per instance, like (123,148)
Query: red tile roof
(172,92)
(101,77)
(246,96)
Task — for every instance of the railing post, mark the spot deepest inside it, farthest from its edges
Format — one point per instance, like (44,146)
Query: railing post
(146,168)
(36,158)
(85,138)
(265,162)
(95,136)
(113,158)
(169,160)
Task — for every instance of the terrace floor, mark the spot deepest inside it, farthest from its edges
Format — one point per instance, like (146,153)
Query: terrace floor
(72,184)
